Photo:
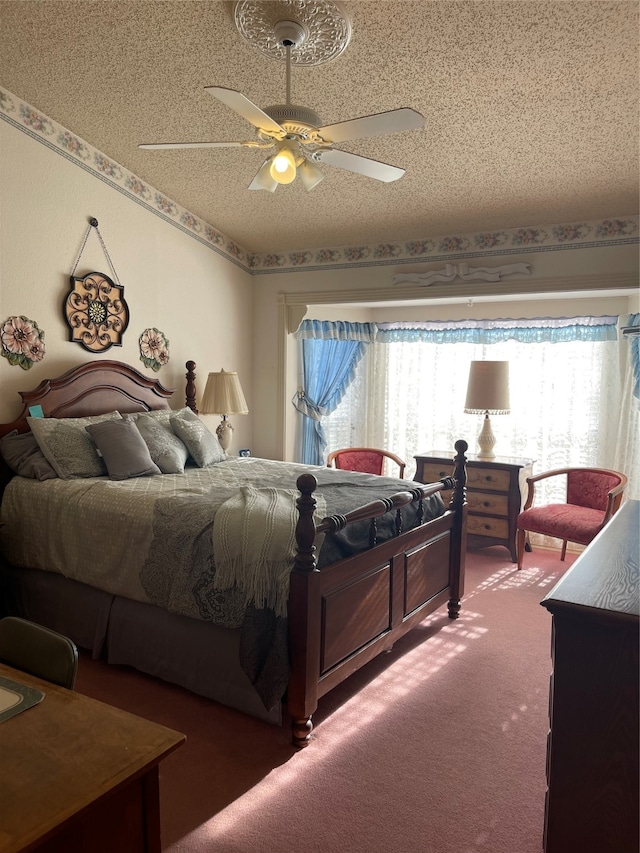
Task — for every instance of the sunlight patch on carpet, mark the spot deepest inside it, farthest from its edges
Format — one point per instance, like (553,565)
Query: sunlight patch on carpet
(510,578)
(395,683)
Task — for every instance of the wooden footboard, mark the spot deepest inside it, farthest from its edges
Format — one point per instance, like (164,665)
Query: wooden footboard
(345,614)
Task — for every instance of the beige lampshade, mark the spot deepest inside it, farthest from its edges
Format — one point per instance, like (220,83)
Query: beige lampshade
(223,395)
(488,388)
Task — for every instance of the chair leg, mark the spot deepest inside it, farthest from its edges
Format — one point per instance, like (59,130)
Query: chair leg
(563,553)
(520,535)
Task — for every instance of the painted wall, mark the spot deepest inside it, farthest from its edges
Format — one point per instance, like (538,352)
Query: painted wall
(201,301)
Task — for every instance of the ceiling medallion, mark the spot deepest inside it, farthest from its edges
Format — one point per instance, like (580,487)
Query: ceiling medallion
(325,29)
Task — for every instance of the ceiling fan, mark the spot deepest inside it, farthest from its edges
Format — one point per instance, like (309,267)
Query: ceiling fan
(298,136)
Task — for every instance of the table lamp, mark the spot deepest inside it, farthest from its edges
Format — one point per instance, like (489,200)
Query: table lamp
(487,393)
(223,396)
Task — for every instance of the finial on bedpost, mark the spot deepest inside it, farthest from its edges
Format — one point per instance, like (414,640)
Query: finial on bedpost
(305,527)
(190,393)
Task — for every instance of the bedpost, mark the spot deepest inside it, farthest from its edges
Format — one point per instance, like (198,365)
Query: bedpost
(304,619)
(190,392)
(459,530)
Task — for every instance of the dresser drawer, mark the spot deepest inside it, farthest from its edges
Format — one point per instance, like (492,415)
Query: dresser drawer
(486,502)
(488,478)
(432,472)
(481,525)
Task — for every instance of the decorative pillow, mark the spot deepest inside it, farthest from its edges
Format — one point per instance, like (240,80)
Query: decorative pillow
(155,414)
(123,449)
(203,446)
(21,453)
(67,445)
(166,449)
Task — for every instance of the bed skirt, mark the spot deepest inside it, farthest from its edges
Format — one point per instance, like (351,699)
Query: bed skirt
(197,655)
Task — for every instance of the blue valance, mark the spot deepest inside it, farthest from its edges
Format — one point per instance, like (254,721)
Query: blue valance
(337,330)
(535,330)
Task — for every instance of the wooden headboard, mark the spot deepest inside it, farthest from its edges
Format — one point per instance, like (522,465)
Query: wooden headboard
(92,388)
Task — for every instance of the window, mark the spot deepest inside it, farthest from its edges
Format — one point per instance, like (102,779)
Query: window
(566,401)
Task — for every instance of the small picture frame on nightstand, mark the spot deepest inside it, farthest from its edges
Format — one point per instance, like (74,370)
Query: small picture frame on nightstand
(245,453)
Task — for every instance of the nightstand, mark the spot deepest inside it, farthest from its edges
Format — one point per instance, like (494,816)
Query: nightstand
(496,489)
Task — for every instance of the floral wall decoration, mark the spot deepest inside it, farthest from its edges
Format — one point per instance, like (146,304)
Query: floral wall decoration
(154,349)
(22,341)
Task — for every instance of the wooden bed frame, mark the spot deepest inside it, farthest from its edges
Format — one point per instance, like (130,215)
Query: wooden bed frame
(340,616)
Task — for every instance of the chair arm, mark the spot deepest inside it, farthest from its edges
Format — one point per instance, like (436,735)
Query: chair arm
(531,483)
(399,462)
(614,499)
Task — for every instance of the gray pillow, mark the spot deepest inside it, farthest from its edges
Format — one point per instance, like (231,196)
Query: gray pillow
(166,449)
(163,415)
(68,447)
(21,453)
(123,449)
(203,446)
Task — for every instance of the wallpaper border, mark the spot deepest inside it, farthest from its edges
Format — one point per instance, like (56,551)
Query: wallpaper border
(580,235)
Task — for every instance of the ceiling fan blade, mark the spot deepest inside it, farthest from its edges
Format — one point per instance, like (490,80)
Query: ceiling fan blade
(361,165)
(193,145)
(245,108)
(392,121)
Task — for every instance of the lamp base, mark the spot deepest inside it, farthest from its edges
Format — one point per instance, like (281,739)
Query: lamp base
(486,440)
(224,432)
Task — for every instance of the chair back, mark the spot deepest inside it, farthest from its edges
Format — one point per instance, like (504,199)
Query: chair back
(368,460)
(39,651)
(589,487)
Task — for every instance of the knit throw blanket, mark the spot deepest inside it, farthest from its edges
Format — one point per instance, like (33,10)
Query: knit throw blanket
(254,544)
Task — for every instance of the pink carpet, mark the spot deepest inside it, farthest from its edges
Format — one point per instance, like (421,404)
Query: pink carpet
(437,747)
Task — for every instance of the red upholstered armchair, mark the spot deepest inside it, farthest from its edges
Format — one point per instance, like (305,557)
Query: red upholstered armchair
(366,459)
(593,496)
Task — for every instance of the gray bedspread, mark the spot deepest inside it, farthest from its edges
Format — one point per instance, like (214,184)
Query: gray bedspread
(151,539)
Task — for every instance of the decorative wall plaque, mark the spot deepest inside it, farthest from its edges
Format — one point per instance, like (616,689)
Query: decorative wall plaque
(21,341)
(96,312)
(95,308)
(154,348)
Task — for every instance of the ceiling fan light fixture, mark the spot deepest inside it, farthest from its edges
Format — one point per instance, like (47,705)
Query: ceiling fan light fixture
(263,179)
(310,174)
(283,166)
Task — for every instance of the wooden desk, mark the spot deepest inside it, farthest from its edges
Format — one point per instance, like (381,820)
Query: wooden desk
(592,748)
(77,775)
(495,494)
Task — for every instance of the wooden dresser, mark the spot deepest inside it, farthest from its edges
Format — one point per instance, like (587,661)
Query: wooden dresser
(496,489)
(593,794)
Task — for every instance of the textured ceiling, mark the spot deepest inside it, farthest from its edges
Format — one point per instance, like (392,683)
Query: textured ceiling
(531,110)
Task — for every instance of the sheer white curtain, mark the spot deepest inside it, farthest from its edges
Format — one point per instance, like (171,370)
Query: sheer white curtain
(566,403)
(627,456)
